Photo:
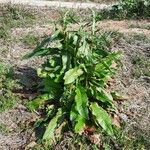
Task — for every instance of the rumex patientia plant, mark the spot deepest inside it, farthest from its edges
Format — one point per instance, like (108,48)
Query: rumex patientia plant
(75,76)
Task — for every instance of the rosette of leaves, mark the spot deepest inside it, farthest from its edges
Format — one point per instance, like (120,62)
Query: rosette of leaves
(75,75)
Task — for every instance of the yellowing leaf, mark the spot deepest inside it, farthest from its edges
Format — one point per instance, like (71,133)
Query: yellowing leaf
(72,74)
(102,117)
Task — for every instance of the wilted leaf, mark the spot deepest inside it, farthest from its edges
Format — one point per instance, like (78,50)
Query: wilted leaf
(89,130)
(116,120)
(114,65)
(72,74)
(102,117)
(83,51)
(58,131)
(95,138)
(31,145)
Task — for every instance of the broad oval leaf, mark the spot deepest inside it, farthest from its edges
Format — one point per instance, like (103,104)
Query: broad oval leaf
(72,74)
(49,133)
(81,101)
(102,117)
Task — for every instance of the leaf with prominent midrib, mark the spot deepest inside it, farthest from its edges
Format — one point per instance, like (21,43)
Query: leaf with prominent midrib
(81,101)
(102,117)
(72,74)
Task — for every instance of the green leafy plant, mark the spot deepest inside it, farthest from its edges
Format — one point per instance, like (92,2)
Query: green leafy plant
(75,77)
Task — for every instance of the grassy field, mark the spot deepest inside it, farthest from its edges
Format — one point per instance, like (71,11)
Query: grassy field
(21,29)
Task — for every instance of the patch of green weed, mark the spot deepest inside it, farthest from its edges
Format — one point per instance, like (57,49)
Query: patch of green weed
(141,66)
(7,85)
(3,129)
(30,40)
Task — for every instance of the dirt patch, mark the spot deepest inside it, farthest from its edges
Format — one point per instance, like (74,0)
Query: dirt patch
(124,26)
(135,112)
(17,121)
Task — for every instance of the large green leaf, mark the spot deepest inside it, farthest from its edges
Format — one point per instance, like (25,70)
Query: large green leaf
(38,101)
(102,117)
(72,74)
(77,120)
(81,100)
(49,133)
(80,124)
